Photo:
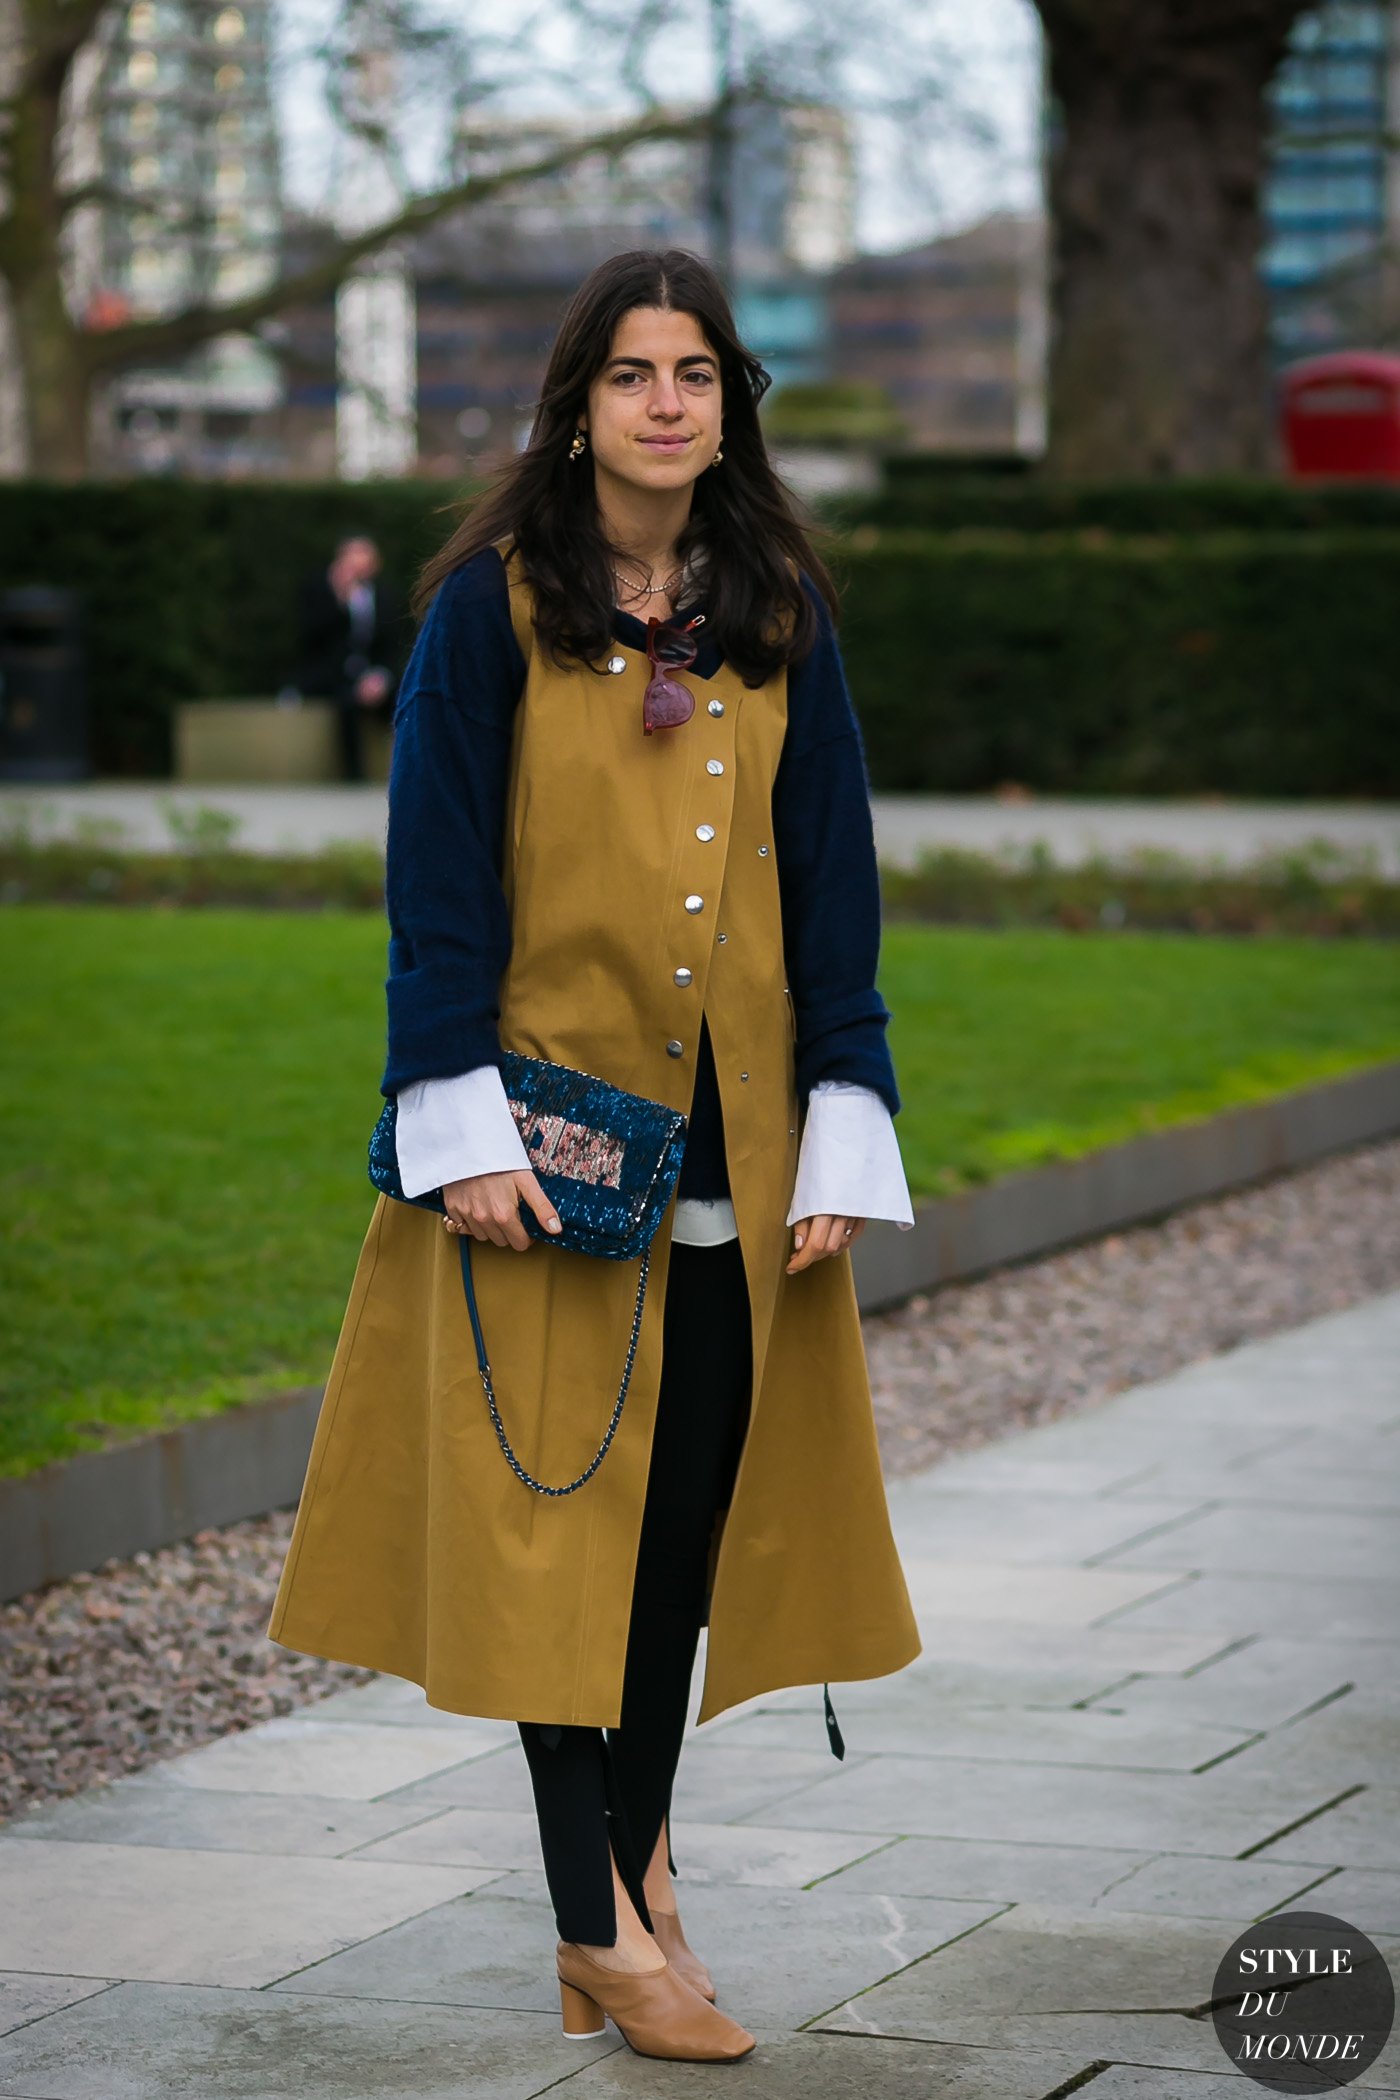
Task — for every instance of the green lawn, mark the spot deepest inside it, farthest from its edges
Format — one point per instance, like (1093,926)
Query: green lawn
(185,1099)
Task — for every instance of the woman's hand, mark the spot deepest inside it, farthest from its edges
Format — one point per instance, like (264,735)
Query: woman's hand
(487,1206)
(815,1238)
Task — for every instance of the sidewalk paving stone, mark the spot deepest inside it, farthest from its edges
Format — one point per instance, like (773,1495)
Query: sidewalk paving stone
(1015,1734)
(1235,1890)
(780,1956)
(392,1702)
(1365,1897)
(24,1998)
(1013,1525)
(1363,1831)
(1259,1683)
(301,1754)
(1030,1593)
(1120,1986)
(164,1915)
(829,2066)
(1344,1744)
(1135,2082)
(1217,1811)
(132,1812)
(1110,1649)
(1241,1538)
(1159,1696)
(1313,1607)
(163,2042)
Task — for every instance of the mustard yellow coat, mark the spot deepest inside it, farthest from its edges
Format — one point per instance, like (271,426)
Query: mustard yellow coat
(416,1550)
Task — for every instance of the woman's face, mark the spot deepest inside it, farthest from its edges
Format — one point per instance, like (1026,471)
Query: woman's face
(653,416)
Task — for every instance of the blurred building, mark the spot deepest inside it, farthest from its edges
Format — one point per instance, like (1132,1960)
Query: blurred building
(376,360)
(791,185)
(1332,193)
(491,286)
(952,330)
(180,120)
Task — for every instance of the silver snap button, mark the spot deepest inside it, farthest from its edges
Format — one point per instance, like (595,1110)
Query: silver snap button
(674,1049)
(695,904)
(716,707)
(617,663)
(763,853)
(682,977)
(721,938)
(714,765)
(743,1075)
(705,831)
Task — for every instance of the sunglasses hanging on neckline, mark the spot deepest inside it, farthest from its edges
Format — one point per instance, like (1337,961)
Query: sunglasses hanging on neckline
(666,703)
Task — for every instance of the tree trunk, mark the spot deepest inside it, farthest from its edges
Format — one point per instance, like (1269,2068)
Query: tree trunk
(57,381)
(1159,359)
(53,359)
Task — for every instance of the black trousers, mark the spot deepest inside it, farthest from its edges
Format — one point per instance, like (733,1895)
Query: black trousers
(592,1785)
(352,720)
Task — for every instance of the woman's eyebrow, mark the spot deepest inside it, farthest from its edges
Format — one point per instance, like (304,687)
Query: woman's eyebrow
(645,364)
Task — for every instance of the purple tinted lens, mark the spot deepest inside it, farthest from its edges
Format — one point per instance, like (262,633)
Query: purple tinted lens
(673,647)
(666,705)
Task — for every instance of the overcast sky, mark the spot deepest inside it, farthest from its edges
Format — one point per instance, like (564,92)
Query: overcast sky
(976,156)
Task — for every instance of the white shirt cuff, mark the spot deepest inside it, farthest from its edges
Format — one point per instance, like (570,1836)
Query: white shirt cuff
(848,1164)
(450,1128)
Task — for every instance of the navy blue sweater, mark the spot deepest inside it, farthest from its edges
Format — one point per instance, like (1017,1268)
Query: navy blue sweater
(449,930)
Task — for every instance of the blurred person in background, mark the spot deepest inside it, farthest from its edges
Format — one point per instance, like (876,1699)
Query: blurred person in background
(629,832)
(352,644)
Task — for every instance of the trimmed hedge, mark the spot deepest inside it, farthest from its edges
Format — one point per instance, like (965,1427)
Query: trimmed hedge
(191,588)
(1089,665)
(933,496)
(1264,664)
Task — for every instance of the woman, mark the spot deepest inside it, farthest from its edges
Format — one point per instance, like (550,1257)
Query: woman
(691,912)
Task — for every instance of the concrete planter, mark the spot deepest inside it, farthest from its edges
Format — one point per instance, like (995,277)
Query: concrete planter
(154,1490)
(234,742)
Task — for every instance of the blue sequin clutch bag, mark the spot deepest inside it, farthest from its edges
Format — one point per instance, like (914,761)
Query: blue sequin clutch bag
(608,1160)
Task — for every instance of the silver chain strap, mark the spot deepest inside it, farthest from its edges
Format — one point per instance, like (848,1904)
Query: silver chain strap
(540,1487)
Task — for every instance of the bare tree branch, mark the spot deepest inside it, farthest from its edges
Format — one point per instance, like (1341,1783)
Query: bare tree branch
(165,336)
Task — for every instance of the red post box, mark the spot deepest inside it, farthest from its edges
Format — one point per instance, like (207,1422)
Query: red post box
(1341,416)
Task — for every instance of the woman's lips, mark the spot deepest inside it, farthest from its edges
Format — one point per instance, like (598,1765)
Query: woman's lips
(666,444)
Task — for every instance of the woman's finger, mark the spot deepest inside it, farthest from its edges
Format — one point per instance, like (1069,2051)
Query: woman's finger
(817,1238)
(513,1226)
(809,1242)
(528,1188)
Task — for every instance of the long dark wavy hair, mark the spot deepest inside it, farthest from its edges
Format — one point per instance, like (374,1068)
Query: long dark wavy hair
(741,515)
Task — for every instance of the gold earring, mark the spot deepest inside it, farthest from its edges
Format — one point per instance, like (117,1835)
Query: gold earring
(719,455)
(579,445)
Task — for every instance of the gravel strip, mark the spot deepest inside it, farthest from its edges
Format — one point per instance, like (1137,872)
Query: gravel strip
(976,1361)
(110,1672)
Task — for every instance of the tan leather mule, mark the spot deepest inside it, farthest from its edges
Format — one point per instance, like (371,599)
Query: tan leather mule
(670,1938)
(658,2014)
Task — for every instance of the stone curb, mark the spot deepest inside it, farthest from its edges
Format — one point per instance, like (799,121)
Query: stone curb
(153,1490)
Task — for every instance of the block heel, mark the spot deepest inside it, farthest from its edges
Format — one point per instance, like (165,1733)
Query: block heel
(583,2017)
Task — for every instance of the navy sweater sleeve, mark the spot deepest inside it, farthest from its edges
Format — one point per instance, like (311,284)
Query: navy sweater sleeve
(824,838)
(449,930)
